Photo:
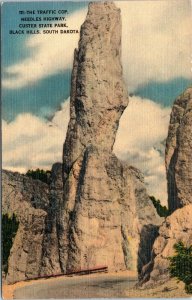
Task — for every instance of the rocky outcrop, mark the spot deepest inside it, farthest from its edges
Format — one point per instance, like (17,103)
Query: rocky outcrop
(36,205)
(105,203)
(28,199)
(179,152)
(177,227)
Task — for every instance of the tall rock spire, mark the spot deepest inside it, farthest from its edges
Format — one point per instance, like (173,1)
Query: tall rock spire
(105,205)
(98,93)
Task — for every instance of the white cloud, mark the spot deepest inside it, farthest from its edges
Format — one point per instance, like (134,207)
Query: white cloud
(156,40)
(142,129)
(156,44)
(29,142)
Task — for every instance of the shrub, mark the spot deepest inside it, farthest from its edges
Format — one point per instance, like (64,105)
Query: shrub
(10,226)
(161,210)
(181,265)
(39,174)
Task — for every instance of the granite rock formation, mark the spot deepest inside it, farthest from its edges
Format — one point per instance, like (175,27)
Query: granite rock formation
(36,205)
(179,152)
(28,199)
(105,205)
(178,226)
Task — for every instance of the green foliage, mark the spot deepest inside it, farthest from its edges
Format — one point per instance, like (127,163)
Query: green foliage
(39,174)
(161,210)
(10,226)
(181,265)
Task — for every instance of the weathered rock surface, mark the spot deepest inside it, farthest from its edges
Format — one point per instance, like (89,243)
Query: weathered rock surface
(105,207)
(98,93)
(179,152)
(28,199)
(177,227)
(35,249)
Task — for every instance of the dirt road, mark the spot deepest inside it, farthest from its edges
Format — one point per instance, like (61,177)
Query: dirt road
(103,286)
(111,285)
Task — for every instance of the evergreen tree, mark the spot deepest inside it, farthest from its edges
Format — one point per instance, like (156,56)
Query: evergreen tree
(39,174)
(181,265)
(161,210)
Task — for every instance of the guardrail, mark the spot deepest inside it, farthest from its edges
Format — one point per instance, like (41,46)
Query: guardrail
(100,269)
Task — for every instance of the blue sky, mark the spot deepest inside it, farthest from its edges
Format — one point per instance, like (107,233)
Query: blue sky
(163,92)
(36,74)
(45,96)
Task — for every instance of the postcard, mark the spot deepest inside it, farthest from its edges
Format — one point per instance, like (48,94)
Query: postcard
(96,149)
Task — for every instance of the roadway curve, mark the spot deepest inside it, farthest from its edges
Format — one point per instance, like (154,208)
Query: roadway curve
(92,286)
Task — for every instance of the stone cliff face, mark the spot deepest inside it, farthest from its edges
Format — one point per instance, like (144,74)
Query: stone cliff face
(105,205)
(35,248)
(28,199)
(179,152)
(178,158)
